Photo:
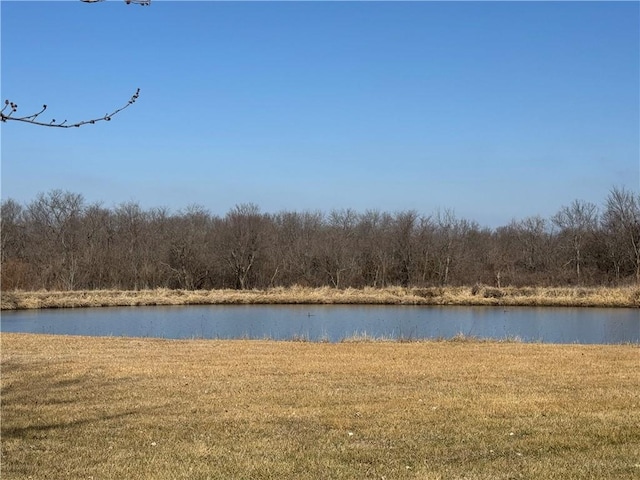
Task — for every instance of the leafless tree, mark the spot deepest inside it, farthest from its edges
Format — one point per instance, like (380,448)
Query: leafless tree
(373,239)
(450,236)
(188,248)
(576,222)
(14,271)
(293,248)
(621,222)
(57,242)
(244,243)
(132,251)
(403,233)
(533,235)
(336,255)
(503,254)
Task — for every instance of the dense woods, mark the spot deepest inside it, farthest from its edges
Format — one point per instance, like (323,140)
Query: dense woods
(58,241)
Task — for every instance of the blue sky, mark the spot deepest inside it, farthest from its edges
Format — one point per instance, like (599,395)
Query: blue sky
(496,110)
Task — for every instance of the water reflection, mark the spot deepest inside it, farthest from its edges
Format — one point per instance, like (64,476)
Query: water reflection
(334,323)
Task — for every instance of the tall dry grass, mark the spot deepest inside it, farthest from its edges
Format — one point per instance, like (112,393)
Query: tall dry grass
(476,295)
(119,408)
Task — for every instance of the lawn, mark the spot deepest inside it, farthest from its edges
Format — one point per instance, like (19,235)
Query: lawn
(125,408)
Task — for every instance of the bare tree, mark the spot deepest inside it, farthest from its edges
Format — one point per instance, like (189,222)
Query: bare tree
(244,243)
(13,238)
(293,248)
(576,222)
(503,254)
(450,236)
(374,235)
(621,222)
(188,247)
(426,254)
(336,255)
(131,252)
(533,237)
(99,232)
(403,231)
(55,242)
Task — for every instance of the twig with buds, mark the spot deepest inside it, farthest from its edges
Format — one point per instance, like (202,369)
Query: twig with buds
(144,3)
(33,118)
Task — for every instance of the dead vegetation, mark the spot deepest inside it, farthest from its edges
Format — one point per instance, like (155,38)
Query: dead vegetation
(113,408)
(476,295)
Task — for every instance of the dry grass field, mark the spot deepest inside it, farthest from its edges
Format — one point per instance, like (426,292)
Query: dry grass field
(475,295)
(122,408)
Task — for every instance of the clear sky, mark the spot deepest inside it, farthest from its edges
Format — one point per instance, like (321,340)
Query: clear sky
(496,110)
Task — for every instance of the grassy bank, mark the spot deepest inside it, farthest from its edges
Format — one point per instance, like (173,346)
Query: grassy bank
(476,295)
(113,408)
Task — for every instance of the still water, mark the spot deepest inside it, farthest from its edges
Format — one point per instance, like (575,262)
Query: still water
(334,323)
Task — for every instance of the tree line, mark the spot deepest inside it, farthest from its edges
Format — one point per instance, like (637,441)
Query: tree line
(59,242)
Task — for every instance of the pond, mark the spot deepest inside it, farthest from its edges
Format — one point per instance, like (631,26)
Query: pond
(333,323)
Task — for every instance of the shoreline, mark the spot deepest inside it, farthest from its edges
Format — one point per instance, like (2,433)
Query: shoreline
(478,295)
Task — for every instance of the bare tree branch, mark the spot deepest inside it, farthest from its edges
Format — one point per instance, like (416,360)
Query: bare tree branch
(33,118)
(144,3)
(11,107)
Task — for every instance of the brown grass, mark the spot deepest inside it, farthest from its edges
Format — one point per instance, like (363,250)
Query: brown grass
(119,408)
(476,295)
